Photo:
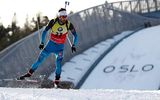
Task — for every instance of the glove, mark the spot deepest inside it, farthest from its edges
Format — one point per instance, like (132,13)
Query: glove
(73,48)
(41,46)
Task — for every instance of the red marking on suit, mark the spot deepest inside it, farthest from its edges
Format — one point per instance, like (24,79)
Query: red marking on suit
(60,54)
(60,39)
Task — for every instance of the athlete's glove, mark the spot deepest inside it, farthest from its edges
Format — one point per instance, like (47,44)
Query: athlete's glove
(41,46)
(73,48)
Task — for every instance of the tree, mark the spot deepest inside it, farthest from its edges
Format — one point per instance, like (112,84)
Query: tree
(14,33)
(27,26)
(2,31)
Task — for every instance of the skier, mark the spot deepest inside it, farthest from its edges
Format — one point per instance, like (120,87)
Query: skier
(59,30)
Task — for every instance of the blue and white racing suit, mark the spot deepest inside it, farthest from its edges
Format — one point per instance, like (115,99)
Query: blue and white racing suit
(55,44)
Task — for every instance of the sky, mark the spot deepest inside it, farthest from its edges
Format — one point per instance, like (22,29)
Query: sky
(49,8)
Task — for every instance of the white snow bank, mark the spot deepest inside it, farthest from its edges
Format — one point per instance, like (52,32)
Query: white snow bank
(82,94)
(133,64)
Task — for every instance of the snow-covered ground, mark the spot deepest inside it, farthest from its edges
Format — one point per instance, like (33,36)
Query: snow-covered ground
(82,94)
(133,64)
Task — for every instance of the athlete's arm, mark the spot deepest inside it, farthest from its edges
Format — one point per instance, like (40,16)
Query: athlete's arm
(73,31)
(45,31)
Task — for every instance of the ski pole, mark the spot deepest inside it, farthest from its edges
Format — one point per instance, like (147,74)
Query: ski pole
(38,20)
(66,3)
(69,41)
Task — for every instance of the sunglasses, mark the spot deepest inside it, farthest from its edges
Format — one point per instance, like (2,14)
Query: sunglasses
(63,16)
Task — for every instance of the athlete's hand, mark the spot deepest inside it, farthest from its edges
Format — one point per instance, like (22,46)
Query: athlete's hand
(41,46)
(73,48)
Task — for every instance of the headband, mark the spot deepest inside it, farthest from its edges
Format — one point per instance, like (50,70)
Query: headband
(62,13)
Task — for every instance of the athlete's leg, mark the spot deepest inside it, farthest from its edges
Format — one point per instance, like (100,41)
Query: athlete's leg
(34,66)
(44,54)
(59,57)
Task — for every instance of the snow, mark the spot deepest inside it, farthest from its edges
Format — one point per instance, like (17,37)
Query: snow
(129,72)
(132,64)
(82,94)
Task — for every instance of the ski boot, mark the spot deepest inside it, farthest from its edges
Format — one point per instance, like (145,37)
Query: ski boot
(56,82)
(28,74)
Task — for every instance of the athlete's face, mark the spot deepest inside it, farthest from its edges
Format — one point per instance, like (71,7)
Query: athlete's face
(63,18)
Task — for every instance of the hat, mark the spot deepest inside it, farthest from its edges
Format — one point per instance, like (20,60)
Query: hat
(62,12)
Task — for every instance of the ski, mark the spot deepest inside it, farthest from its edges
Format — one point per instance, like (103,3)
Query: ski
(61,85)
(35,83)
(27,83)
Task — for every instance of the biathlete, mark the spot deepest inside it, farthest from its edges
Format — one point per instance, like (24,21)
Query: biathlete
(59,30)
